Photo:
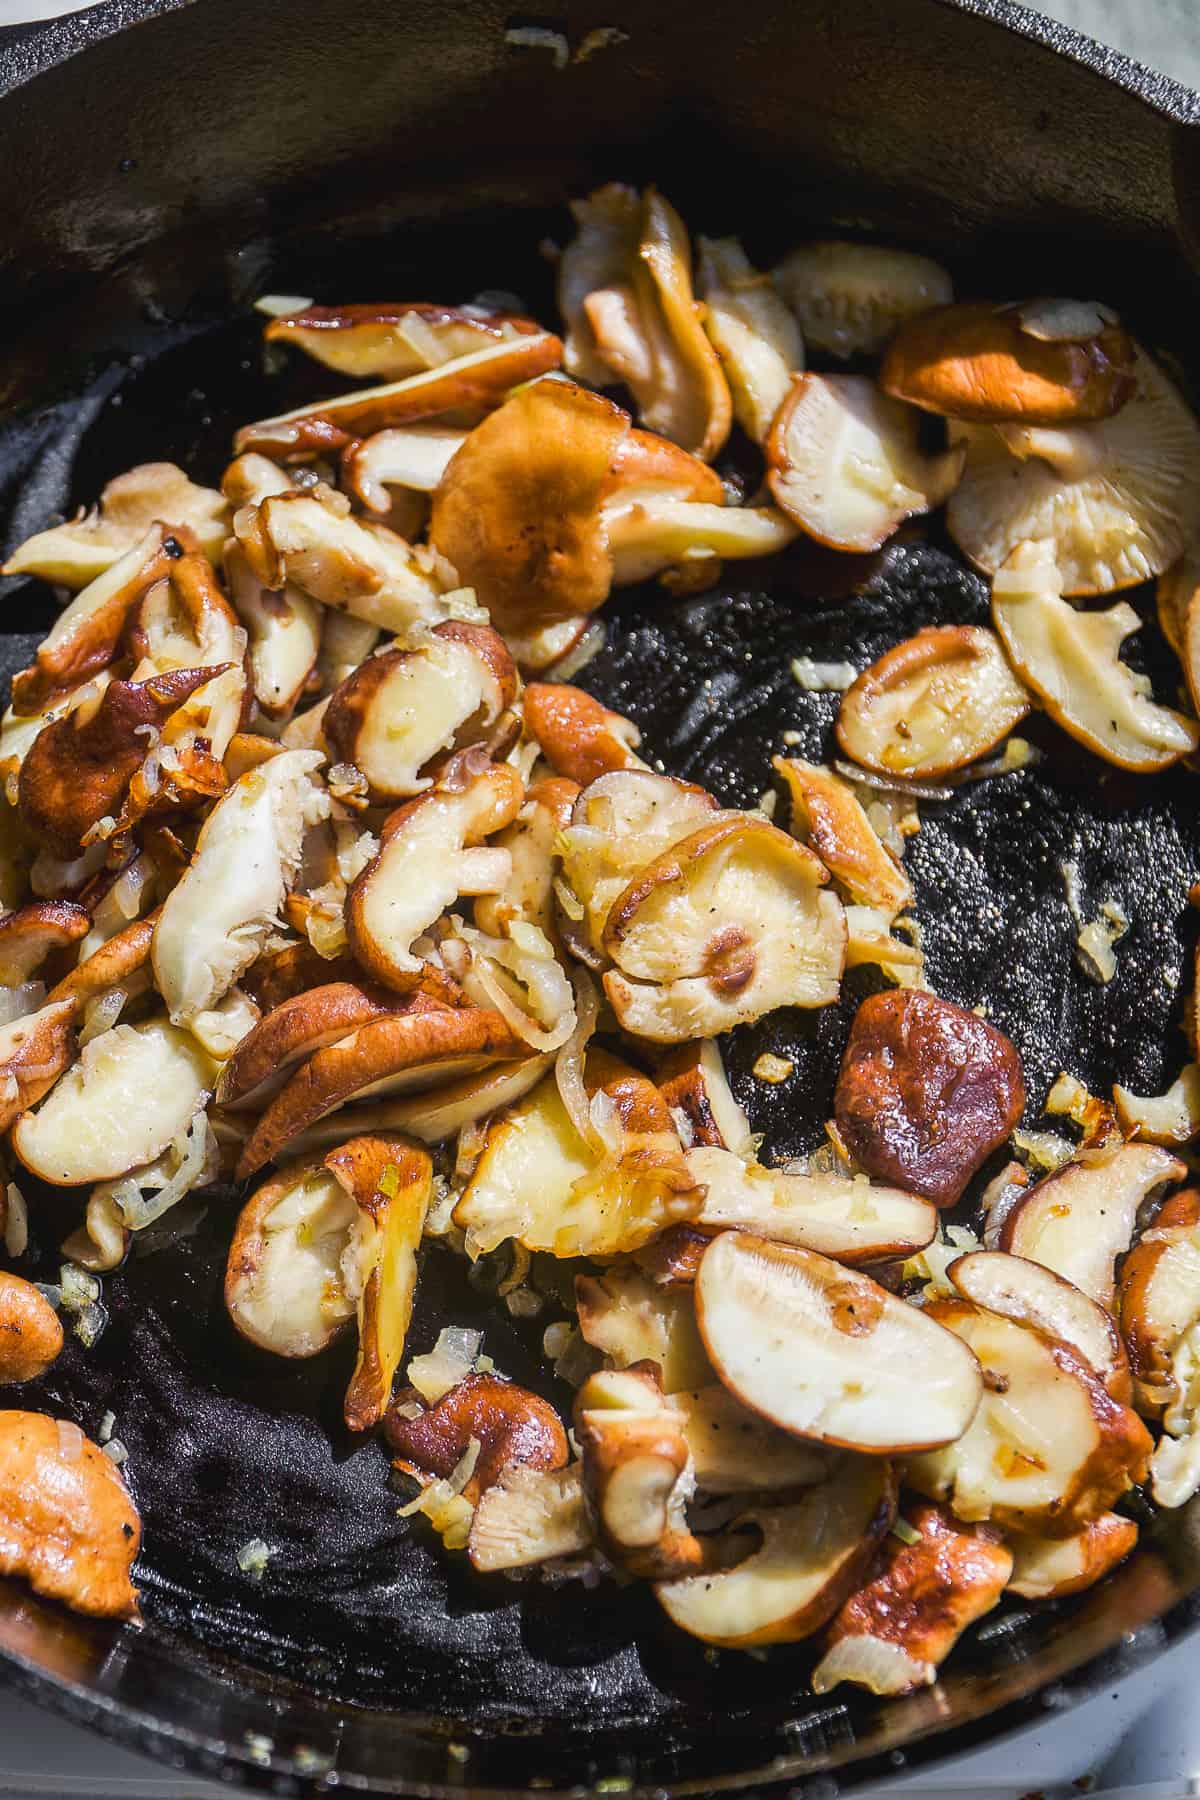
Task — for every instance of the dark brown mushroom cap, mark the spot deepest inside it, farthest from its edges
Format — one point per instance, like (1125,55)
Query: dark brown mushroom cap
(512,1425)
(293,1030)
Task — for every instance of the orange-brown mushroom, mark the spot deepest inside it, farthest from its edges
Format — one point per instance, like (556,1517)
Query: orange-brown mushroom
(292,1031)
(35,931)
(393,339)
(512,1427)
(579,737)
(67,1523)
(31,1337)
(34,1052)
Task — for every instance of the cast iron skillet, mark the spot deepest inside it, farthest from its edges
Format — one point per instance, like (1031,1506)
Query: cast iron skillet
(167,161)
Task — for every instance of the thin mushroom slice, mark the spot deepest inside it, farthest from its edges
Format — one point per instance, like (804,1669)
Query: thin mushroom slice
(825,1352)
(752,331)
(532,845)
(529,1516)
(934,703)
(509,1426)
(622,822)
(413,458)
(292,1031)
(849,298)
(478,380)
(693,1082)
(1159,1299)
(1078,1220)
(285,1284)
(810,1556)
(67,1524)
(840,1216)
(33,932)
(734,1451)
(1034,1295)
(632,1320)
(830,818)
(284,626)
(217,918)
(845,462)
(34,1052)
(540,1181)
(77,553)
(1071,661)
(435,1116)
(1052,1568)
(31,1337)
(926,1588)
(345,643)
(1113,501)
(580,738)
(727,925)
(134,1090)
(1171,1119)
(393,339)
(1048,1448)
(442,833)
(402,708)
(651,533)
(1037,362)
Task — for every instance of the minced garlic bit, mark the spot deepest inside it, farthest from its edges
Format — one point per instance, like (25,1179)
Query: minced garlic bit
(823,677)
(277,306)
(908,1534)
(253,1557)
(772,1068)
(1095,941)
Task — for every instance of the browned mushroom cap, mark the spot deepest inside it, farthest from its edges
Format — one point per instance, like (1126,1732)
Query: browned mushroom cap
(925,1589)
(79,767)
(67,1524)
(408,1051)
(285,1285)
(31,1337)
(31,933)
(579,737)
(393,339)
(434,1116)
(267,1055)
(532,844)
(937,701)
(1042,362)
(644,460)
(34,1052)
(926,1092)
(693,1082)
(85,635)
(828,815)
(477,380)
(1160,1298)
(281,974)
(1051,1568)
(518,512)
(402,708)
(512,1426)
(114,963)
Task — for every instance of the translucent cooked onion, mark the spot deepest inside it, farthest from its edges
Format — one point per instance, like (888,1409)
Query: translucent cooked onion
(16,1221)
(450,1361)
(148,1193)
(528,958)
(18,1002)
(101,1014)
(872,1663)
(568,1064)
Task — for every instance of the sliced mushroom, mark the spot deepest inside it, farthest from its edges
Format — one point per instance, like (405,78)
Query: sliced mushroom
(751,330)
(825,1352)
(67,1524)
(402,708)
(442,833)
(532,845)
(1078,1220)
(684,541)
(31,1337)
(829,817)
(539,1181)
(1113,501)
(1052,1568)
(579,737)
(512,1428)
(693,1082)
(630,1319)
(435,1116)
(285,635)
(292,1031)
(86,547)
(1160,1299)
(1040,362)
(735,1452)
(414,459)
(1033,1295)
(811,1555)
(251,479)
(393,339)
(217,918)
(478,380)
(1071,661)
(34,1052)
(927,1091)
(285,1286)
(849,298)
(625,290)
(530,1516)
(404,1053)
(934,703)
(134,1089)
(36,931)
(1171,1119)
(845,462)
(840,1216)
(925,1589)
(280,975)
(729,924)
(1048,1448)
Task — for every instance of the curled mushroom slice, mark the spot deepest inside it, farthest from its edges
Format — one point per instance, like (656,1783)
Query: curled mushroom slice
(622,823)
(927,1091)
(1040,362)
(1160,1311)
(810,1556)
(632,1320)
(752,331)
(579,737)
(735,1452)
(133,1091)
(729,924)
(849,298)
(1071,661)
(1048,1448)
(393,339)
(404,1052)
(292,1031)
(541,1182)
(1078,1220)
(841,1216)
(1033,1295)
(478,380)
(625,289)
(685,541)
(285,635)
(77,553)
(1112,500)
(36,931)
(845,462)
(925,1589)
(31,1337)
(437,1115)
(442,833)
(937,701)
(34,1052)
(414,459)
(532,845)
(217,918)
(402,708)
(117,961)
(285,1285)
(511,1427)
(829,817)
(1051,1568)
(693,1082)
(1171,1119)
(529,1516)
(67,1524)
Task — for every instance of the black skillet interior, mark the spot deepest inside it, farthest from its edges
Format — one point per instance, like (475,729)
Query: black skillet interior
(358,1610)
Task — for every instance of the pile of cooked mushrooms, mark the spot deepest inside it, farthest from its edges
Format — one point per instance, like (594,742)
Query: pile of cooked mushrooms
(321,877)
